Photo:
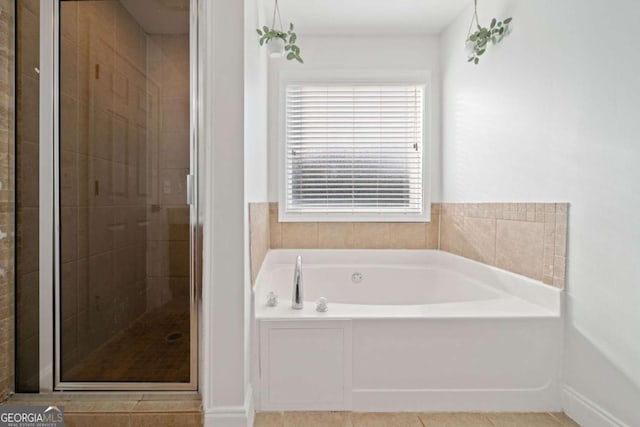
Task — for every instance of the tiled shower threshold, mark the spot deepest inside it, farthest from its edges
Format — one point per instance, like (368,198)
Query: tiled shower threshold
(113,409)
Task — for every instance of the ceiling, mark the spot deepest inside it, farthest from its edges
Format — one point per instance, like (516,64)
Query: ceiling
(319,17)
(366,17)
(160,16)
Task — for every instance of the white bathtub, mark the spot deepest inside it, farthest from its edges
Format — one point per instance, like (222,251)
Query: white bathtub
(422,331)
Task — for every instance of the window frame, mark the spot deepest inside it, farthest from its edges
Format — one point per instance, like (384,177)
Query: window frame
(398,77)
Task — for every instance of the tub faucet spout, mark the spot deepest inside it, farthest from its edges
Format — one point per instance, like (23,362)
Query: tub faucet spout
(297,302)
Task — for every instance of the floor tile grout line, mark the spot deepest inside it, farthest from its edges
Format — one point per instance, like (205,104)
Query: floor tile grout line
(551,414)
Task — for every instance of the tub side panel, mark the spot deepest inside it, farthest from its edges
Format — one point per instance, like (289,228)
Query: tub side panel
(457,364)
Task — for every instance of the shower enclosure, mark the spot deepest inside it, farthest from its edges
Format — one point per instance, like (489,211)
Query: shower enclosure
(119,251)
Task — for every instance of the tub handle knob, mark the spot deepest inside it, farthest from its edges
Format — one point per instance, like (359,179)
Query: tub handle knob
(272,299)
(322,305)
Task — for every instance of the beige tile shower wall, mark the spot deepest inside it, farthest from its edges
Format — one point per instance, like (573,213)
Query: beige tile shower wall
(525,238)
(104,176)
(353,235)
(259,236)
(168,145)
(27,203)
(7,204)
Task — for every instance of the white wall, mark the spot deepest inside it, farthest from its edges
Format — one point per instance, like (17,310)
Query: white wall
(255,120)
(255,158)
(359,53)
(224,377)
(552,113)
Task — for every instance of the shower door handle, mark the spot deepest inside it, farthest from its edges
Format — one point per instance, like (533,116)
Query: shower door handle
(190,195)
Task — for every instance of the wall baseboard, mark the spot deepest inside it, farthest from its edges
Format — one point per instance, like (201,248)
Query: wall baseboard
(546,399)
(232,416)
(586,412)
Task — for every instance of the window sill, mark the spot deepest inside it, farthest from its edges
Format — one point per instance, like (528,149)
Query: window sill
(284,216)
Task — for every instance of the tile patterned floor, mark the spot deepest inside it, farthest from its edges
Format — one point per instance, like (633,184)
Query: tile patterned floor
(348,419)
(184,410)
(142,352)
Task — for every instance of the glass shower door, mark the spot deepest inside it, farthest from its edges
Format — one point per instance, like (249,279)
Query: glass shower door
(125,293)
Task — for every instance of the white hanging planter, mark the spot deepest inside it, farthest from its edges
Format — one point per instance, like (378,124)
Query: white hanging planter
(275,47)
(279,43)
(478,41)
(469,48)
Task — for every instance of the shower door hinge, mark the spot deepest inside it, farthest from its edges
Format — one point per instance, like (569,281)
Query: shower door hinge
(190,195)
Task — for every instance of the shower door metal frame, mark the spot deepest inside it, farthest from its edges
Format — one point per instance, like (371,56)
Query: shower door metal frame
(50,208)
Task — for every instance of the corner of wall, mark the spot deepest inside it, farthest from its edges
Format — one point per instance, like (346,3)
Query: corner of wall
(586,412)
(232,416)
(224,297)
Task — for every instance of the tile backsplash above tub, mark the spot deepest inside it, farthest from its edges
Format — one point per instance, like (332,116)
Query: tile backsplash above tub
(354,235)
(258,236)
(525,238)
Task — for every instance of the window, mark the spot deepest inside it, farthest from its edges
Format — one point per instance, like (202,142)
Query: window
(354,152)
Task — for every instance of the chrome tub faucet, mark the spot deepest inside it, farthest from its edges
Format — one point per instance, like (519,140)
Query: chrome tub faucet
(298,298)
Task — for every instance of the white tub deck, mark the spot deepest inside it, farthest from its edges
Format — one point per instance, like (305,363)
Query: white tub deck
(400,284)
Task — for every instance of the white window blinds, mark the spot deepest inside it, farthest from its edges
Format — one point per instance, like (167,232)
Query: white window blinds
(354,148)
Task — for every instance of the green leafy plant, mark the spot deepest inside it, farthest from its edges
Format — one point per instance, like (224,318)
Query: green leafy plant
(269,34)
(290,37)
(478,41)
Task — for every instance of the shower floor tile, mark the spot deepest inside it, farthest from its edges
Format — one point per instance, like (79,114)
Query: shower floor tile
(155,348)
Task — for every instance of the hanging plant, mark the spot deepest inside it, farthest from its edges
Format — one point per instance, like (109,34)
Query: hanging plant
(278,42)
(478,41)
